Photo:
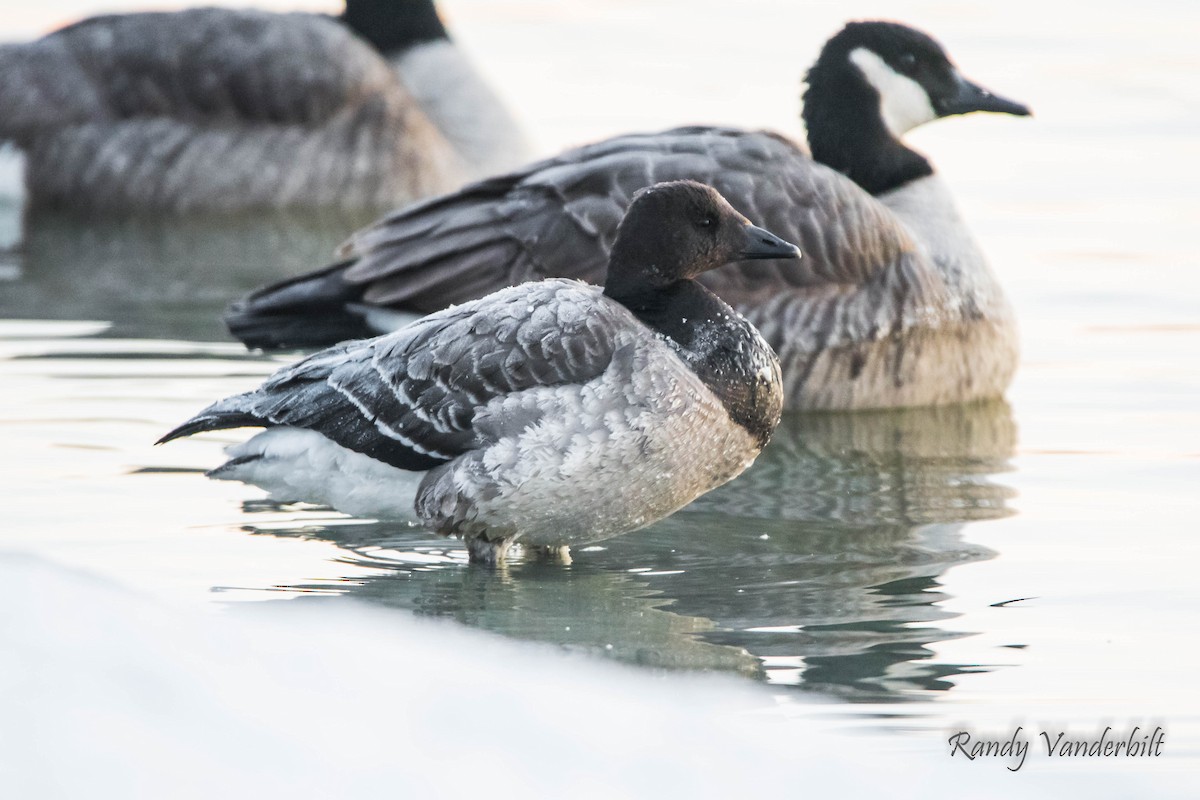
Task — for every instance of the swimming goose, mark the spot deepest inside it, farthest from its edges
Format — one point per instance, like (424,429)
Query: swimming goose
(555,412)
(893,305)
(217,110)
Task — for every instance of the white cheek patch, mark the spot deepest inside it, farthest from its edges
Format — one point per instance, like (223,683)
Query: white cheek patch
(903,103)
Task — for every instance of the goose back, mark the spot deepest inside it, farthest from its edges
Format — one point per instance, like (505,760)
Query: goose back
(214,109)
(558,217)
(871,316)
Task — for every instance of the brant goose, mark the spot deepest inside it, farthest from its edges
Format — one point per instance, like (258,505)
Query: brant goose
(554,412)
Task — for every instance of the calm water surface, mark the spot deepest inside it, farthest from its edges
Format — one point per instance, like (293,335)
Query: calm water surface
(1022,562)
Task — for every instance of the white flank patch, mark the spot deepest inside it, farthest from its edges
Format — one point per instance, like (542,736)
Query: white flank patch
(903,103)
(297,464)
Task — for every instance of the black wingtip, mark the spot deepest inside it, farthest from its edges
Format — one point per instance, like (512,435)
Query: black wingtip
(211,422)
(186,429)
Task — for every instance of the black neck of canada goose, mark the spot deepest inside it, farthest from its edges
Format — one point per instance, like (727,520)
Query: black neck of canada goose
(874,81)
(394,26)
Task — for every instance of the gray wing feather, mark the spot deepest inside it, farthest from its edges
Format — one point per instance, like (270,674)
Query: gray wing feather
(559,217)
(200,64)
(411,398)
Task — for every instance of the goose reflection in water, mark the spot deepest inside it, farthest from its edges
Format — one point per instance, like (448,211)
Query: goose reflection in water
(818,568)
(158,278)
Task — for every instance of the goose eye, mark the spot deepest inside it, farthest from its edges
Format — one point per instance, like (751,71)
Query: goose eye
(705,222)
(908,62)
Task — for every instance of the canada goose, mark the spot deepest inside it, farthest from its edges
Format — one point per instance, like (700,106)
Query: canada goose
(218,110)
(555,412)
(896,305)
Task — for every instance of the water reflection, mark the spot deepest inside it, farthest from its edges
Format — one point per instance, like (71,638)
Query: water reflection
(818,568)
(159,278)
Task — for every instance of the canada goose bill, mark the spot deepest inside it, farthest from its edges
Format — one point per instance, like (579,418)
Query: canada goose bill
(972,97)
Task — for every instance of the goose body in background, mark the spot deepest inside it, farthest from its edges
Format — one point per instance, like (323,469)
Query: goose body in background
(553,412)
(220,110)
(893,305)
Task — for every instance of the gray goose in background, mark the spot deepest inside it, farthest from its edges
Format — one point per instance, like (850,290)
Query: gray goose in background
(554,412)
(219,110)
(893,305)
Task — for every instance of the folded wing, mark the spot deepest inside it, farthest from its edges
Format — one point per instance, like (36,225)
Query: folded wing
(559,218)
(412,399)
(203,65)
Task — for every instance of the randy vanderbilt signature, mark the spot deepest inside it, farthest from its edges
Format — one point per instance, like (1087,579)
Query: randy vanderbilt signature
(1138,743)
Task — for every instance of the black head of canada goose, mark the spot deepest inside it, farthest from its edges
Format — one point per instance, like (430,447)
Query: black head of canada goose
(893,305)
(220,110)
(553,412)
